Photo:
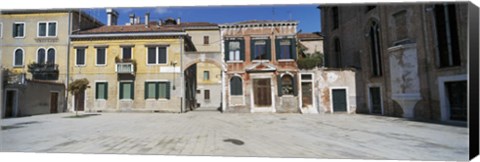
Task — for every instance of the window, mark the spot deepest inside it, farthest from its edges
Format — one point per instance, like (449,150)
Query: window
(18,57)
(375,50)
(206,40)
(206,95)
(47,29)
(234,51)
(101,57)
(126,90)
(206,75)
(51,56)
(126,53)
(1,30)
(259,49)
(335,17)
(18,30)
(401,25)
(370,7)
(285,49)
(80,57)
(41,56)
(447,35)
(157,90)
(156,55)
(236,86)
(337,53)
(287,85)
(101,90)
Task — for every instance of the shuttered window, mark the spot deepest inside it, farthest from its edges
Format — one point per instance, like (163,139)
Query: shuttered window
(51,56)
(41,55)
(101,56)
(101,90)
(126,90)
(18,30)
(18,58)
(80,57)
(157,55)
(157,90)
(236,86)
(127,53)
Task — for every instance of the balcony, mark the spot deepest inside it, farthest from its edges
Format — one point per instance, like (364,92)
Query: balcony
(42,71)
(125,68)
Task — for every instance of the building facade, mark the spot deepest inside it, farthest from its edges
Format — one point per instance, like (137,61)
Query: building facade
(411,58)
(262,73)
(34,46)
(312,43)
(133,67)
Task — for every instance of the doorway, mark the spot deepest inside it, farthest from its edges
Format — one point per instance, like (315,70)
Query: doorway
(11,99)
(53,102)
(80,101)
(339,100)
(457,100)
(262,93)
(375,100)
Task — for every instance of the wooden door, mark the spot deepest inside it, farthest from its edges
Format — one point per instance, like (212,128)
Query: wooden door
(339,100)
(307,94)
(375,100)
(80,101)
(10,103)
(262,92)
(53,102)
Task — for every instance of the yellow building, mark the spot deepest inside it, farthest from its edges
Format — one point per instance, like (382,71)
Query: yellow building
(33,52)
(133,67)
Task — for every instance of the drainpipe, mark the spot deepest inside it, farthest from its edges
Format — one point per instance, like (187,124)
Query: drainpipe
(67,80)
(427,60)
(182,84)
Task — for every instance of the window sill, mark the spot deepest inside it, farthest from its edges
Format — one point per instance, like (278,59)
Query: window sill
(286,60)
(101,99)
(19,37)
(18,66)
(260,60)
(153,99)
(239,61)
(287,95)
(101,65)
(126,100)
(80,65)
(447,68)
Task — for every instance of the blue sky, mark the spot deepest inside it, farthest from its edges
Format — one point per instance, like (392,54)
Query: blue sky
(307,15)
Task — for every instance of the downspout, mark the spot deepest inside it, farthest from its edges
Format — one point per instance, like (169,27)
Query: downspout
(427,60)
(182,84)
(68,60)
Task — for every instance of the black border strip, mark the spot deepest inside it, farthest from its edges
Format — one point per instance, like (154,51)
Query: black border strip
(473,80)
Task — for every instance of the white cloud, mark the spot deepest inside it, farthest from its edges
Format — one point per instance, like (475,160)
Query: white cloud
(161,10)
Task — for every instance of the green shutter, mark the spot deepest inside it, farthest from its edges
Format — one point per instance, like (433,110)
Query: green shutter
(293,44)
(242,50)
(227,45)
(252,49)
(277,48)
(132,89)
(96,90)
(106,90)
(146,90)
(269,49)
(168,90)
(295,86)
(279,85)
(121,91)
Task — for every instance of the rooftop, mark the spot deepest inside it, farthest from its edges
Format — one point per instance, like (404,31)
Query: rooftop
(310,36)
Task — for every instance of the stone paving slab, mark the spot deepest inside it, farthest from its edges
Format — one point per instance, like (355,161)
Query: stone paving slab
(337,136)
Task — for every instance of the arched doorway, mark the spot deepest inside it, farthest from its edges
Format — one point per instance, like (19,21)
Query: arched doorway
(203,85)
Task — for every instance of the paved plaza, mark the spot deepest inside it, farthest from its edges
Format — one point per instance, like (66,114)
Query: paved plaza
(338,136)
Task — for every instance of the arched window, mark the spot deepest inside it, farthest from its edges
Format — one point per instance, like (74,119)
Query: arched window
(287,85)
(236,86)
(18,57)
(51,56)
(375,50)
(41,55)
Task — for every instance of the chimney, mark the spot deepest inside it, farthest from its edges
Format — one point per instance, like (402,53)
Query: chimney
(147,18)
(160,22)
(112,17)
(137,20)
(132,18)
(178,21)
